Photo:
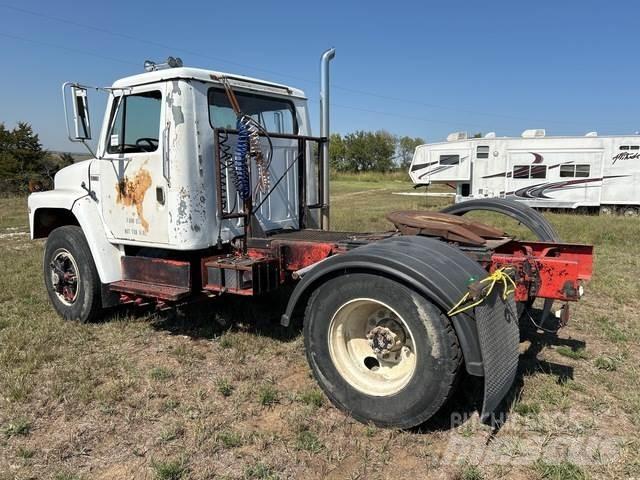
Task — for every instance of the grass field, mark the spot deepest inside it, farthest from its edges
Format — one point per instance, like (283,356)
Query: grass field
(229,395)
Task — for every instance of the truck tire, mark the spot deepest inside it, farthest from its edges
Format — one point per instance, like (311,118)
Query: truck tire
(70,275)
(524,214)
(418,356)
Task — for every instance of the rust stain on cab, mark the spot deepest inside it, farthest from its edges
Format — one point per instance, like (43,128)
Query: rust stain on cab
(130,192)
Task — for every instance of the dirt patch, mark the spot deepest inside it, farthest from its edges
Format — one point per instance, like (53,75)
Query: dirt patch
(298,377)
(121,472)
(268,421)
(130,192)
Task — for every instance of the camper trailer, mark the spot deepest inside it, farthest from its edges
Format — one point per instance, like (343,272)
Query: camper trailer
(590,173)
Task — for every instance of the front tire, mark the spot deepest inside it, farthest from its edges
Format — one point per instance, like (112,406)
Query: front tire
(379,350)
(70,275)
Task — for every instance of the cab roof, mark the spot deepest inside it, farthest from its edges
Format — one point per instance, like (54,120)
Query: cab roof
(209,76)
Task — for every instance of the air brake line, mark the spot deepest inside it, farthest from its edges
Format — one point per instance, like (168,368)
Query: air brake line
(499,275)
(248,145)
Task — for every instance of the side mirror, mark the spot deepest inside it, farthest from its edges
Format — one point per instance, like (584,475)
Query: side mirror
(81,119)
(80,104)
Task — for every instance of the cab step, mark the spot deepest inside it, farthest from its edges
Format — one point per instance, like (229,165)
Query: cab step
(150,277)
(143,289)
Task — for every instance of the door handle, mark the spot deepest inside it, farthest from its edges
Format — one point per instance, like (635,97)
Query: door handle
(160,197)
(165,153)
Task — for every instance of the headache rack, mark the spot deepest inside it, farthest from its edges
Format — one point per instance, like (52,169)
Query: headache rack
(309,154)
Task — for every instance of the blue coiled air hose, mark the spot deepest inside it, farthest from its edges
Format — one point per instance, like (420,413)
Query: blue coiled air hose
(241,178)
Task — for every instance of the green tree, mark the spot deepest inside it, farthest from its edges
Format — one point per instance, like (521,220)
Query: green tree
(337,153)
(406,147)
(367,151)
(385,148)
(22,158)
(8,162)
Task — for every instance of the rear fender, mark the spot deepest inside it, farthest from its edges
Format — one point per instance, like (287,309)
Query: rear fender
(433,268)
(441,273)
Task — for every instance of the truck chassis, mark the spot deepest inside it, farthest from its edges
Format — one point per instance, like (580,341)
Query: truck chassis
(390,319)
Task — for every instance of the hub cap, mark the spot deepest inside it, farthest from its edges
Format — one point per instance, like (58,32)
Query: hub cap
(372,347)
(64,276)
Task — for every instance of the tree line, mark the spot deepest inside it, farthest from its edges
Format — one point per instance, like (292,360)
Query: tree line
(363,151)
(24,164)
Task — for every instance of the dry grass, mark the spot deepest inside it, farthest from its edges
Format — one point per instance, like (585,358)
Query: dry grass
(144,396)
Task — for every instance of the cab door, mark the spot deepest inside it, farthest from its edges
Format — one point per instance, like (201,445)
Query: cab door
(133,184)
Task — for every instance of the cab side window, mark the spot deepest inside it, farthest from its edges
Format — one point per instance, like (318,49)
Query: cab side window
(135,127)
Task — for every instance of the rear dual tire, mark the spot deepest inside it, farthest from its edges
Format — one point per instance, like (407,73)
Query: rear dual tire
(400,392)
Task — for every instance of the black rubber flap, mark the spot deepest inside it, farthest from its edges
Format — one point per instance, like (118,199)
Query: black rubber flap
(499,340)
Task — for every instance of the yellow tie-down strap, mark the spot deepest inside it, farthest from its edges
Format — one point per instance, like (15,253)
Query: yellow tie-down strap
(467,302)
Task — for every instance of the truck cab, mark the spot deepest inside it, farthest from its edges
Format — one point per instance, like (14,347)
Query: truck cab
(152,181)
(154,167)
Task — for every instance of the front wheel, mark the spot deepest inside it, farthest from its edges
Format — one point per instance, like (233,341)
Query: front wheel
(379,350)
(70,275)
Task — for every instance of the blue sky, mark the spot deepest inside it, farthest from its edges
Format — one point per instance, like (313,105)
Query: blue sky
(415,68)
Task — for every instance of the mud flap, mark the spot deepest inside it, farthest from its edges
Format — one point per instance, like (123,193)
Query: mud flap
(499,336)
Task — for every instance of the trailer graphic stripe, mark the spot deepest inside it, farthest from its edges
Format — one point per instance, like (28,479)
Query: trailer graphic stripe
(435,170)
(510,173)
(419,166)
(539,190)
(538,158)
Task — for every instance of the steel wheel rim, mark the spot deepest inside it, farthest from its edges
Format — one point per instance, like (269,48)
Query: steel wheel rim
(353,333)
(65,276)
(606,211)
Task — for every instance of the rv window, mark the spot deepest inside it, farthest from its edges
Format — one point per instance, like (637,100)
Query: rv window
(624,147)
(538,171)
(567,170)
(482,151)
(582,170)
(449,159)
(521,171)
(571,170)
(530,171)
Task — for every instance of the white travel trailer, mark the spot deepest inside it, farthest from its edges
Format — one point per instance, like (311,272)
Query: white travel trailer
(588,173)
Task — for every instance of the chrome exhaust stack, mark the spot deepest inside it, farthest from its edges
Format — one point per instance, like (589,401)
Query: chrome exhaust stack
(327,56)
